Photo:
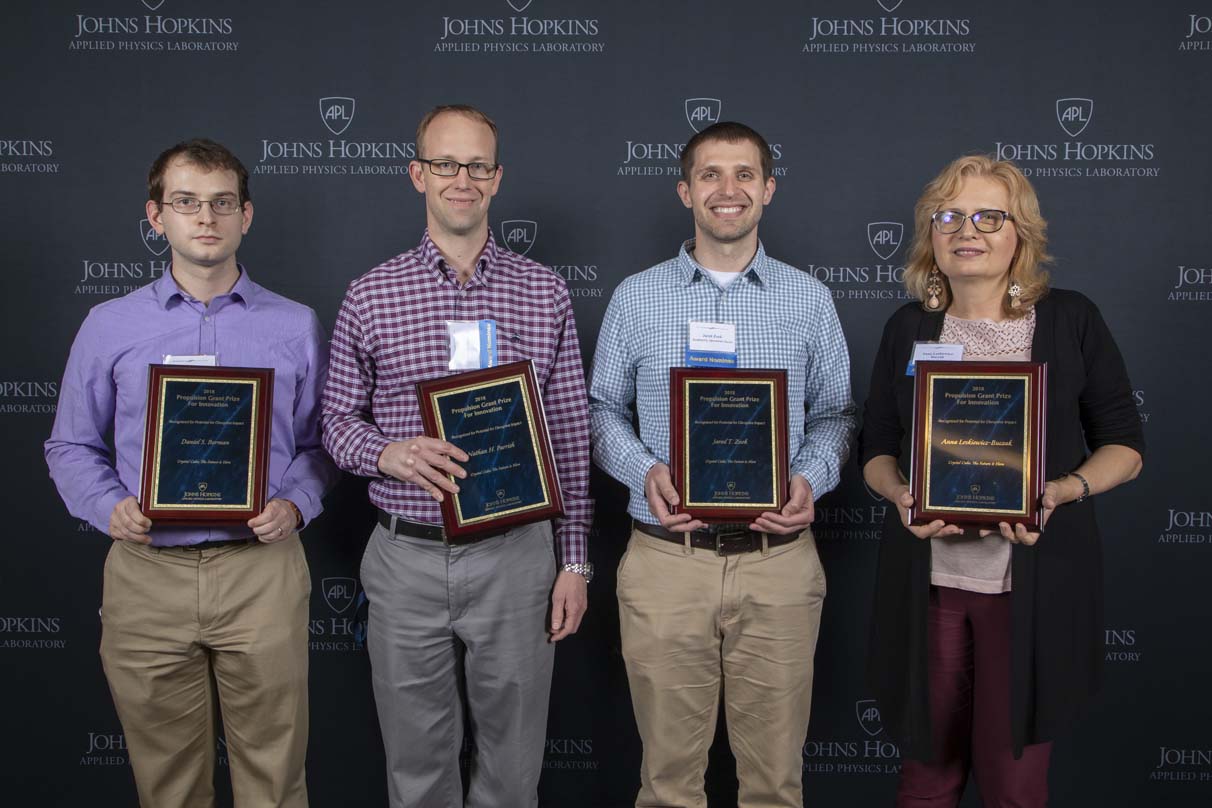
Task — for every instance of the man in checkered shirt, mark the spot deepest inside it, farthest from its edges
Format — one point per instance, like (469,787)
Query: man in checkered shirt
(731,607)
(464,627)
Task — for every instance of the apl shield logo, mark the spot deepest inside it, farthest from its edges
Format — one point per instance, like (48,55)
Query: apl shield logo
(156,242)
(702,112)
(519,5)
(871,492)
(519,234)
(890,5)
(152,5)
(339,593)
(868,714)
(337,113)
(1074,114)
(885,237)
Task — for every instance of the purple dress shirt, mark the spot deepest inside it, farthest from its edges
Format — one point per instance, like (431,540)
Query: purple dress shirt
(105,386)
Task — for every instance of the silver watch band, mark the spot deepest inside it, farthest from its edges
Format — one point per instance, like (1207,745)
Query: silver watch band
(580,569)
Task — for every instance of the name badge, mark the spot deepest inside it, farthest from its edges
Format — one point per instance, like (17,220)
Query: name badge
(711,345)
(207,360)
(473,344)
(933,352)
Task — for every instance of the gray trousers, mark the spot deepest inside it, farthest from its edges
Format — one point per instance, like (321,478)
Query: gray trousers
(456,628)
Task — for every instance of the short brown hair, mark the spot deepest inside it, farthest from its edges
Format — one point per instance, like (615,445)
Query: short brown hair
(1031,254)
(729,132)
(458,109)
(202,152)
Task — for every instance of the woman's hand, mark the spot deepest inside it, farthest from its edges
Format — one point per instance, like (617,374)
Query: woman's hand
(934,530)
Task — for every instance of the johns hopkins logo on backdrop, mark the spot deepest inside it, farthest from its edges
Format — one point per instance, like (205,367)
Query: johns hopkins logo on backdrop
(341,624)
(28,397)
(857,26)
(31,634)
(1197,34)
(1121,645)
(126,25)
(859,278)
(852,752)
(885,238)
(21,156)
(569,754)
(336,156)
(854,519)
(1184,526)
(1088,157)
(1194,284)
(519,234)
(661,156)
(105,749)
(337,113)
(582,279)
(111,277)
(702,112)
(1182,764)
(490,28)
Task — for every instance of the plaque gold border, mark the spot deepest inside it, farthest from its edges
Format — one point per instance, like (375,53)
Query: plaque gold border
(520,380)
(254,428)
(1025,435)
(776,479)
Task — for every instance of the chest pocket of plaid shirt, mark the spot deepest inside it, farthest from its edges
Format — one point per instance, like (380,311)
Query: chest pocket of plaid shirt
(775,345)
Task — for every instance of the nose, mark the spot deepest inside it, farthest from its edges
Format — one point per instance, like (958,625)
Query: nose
(462,177)
(207,212)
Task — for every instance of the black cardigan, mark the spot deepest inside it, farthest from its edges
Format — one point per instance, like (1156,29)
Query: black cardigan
(1056,601)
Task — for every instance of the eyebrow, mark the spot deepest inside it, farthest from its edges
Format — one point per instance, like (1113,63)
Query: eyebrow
(195,193)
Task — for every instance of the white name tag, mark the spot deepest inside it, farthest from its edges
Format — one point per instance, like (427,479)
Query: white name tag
(715,337)
(209,360)
(934,352)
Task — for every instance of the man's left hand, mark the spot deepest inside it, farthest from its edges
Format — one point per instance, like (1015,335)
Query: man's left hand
(795,516)
(276,522)
(569,599)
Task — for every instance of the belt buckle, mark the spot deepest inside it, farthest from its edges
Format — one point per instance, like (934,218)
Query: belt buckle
(733,542)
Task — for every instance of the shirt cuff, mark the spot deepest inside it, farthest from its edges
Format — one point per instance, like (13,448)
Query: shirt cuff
(306,504)
(105,508)
(375,444)
(637,471)
(815,475)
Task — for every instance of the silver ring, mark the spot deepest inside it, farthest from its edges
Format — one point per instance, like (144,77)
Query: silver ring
(279,531)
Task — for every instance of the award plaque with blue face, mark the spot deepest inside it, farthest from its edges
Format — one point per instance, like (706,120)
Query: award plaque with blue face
(206,444)
(978,443)
(495,415)
(728,442)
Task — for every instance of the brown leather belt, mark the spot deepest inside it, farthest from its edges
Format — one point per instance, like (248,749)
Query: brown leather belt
(722,539)
(422,530)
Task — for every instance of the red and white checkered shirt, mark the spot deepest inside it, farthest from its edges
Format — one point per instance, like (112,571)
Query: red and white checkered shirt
(391,334)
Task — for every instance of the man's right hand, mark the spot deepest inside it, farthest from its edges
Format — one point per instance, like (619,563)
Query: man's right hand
(127,522)
(425,462)
(658,487)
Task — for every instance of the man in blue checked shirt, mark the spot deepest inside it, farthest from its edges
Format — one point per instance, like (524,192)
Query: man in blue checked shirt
(694,619)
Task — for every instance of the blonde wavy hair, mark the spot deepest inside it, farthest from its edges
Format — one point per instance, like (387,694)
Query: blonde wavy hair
(1030,256)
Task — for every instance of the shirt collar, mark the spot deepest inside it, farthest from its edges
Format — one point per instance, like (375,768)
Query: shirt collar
(432,258)
(757,271)
(168,292)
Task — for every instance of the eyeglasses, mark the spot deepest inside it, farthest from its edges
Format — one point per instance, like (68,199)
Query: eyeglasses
(986,221)
(450,168)
(188,205)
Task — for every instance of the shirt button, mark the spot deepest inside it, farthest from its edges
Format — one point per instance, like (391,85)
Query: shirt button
(207,318)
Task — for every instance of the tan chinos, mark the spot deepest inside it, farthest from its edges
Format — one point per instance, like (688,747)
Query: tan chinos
(174,618)
(694,622)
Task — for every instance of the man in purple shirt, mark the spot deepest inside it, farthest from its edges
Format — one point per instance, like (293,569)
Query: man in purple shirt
(457,627)
(184,604)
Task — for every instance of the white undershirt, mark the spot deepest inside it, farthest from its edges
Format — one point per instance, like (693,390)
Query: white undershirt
(722,279)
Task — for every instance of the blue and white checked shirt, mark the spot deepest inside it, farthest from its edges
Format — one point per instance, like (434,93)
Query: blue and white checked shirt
(784,319)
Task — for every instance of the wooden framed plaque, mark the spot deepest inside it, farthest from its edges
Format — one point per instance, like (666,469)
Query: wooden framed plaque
(978,443)
(206,443)
(496,416)
(728,442)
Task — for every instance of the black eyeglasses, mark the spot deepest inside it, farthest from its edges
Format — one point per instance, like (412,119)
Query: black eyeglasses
(986,221)
(450,168)
(188,205)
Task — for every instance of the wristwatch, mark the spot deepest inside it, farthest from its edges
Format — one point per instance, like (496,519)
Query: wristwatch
(585,570)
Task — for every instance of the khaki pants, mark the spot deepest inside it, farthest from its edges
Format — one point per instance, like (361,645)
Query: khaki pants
(172,621)
(693,622)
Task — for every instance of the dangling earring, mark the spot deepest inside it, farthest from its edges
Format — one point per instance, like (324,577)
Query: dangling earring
(934,287)
(1016,292)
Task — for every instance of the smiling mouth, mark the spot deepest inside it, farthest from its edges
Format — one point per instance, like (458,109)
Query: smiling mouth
(967,252)
(727,210)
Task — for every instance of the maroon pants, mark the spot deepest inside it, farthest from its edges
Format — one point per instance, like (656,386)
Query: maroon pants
(969,637)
